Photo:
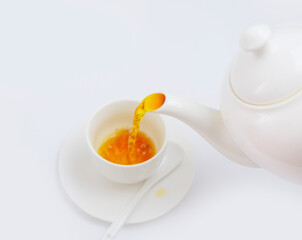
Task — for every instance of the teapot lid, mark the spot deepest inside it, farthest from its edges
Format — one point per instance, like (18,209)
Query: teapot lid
(268,68)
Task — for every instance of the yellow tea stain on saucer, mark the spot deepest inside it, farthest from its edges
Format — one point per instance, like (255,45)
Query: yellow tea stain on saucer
(161,192)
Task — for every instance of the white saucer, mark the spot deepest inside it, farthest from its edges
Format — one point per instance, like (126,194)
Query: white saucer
(105,199)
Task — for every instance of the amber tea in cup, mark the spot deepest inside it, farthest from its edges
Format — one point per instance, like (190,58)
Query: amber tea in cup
(127,146)
(115,149)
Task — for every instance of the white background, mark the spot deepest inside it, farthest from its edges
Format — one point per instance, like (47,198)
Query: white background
(60,60)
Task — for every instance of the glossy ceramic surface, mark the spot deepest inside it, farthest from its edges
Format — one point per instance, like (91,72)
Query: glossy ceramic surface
(271,136)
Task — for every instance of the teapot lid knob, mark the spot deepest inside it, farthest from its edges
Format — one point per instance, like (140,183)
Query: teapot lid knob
(255,37)
(268,68)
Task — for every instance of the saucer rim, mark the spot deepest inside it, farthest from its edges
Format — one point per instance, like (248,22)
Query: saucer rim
(188,154)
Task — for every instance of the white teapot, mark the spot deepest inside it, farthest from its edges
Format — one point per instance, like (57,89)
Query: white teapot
(260,122)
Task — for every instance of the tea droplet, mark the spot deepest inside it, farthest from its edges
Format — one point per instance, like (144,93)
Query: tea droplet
(161,192)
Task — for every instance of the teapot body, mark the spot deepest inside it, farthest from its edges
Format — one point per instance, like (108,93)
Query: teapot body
(270,135)
(260,123)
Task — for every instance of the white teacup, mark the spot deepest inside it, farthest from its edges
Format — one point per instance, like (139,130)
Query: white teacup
(118,115)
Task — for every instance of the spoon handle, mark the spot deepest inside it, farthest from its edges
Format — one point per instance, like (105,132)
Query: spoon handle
(174,159)
(119,222)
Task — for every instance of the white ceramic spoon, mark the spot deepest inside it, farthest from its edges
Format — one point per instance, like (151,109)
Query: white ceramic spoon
(174,155)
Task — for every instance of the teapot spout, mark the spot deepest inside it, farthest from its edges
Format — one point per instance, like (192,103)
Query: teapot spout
(206,122)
